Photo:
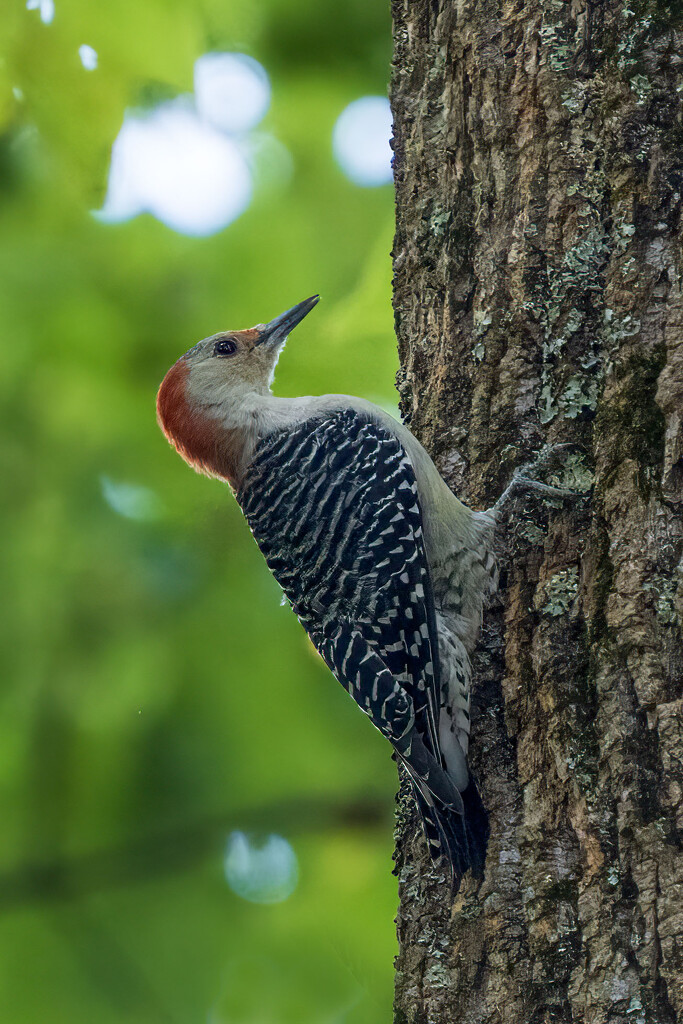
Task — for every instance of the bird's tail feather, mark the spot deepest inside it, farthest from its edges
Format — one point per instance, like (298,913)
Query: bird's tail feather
(459,839)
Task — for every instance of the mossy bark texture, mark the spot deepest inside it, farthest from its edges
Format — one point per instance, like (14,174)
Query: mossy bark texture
(538,262)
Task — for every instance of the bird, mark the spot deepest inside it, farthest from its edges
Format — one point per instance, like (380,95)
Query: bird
(385,568)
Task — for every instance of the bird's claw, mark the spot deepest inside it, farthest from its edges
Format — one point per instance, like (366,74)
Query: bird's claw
(521,480)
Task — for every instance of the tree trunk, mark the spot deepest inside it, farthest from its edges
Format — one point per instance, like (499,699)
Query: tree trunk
(539,175)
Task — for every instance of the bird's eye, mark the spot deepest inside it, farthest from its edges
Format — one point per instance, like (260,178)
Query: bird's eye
(225,347)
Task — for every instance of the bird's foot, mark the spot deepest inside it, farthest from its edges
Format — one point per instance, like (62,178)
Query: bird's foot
(523,480)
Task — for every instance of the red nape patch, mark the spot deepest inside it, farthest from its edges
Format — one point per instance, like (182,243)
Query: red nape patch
(201,441)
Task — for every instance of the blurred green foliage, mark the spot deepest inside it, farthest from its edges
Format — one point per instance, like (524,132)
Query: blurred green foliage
(156,696)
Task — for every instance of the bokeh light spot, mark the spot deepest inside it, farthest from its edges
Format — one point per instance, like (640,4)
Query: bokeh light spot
(88,57)
(232,91)
(265,873)
(173,165)
(132,501)
(46,9)
(361,141)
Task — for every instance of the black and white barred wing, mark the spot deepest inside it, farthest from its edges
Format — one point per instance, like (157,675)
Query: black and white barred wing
(333,505)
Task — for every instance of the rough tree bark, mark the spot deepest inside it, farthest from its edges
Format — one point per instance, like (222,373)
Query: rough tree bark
(539,175)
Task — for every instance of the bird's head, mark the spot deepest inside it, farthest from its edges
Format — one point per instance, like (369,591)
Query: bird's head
(202,398)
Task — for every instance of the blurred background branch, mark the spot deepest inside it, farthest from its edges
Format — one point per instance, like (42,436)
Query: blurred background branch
(179,850)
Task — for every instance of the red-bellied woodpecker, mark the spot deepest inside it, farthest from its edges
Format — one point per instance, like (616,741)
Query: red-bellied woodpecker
(386,569)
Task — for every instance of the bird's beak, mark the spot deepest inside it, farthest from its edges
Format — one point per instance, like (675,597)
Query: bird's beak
(275,332)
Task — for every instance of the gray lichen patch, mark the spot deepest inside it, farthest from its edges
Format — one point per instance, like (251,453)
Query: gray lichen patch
(633,31)
(548,407)
(580,393)
(556,36)
(663,590)
(481,322)
(566,314)
(612,876)
(438,975)
(438,222)
(574,475)
(616,328)
(642,88)
(531,532)
(560,592)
